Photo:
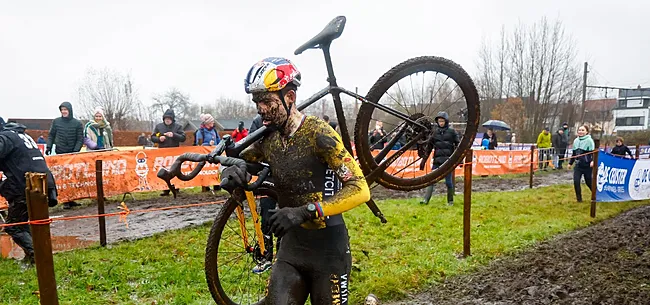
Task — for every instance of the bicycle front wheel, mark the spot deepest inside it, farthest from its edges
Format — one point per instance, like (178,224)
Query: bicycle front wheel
(418,89)
(233,251)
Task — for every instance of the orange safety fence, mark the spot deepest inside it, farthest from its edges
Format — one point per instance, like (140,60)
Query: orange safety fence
(123,172)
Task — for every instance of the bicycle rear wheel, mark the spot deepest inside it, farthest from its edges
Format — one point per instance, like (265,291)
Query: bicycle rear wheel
(419,88)
(228,264)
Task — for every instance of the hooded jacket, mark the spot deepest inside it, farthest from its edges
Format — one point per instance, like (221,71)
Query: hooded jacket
(161,129)
(444,140)
(544,140)
(66,133)
(19,154)
(560,142)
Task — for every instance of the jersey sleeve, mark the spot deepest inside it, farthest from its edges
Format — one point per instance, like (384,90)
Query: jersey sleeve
(355,191)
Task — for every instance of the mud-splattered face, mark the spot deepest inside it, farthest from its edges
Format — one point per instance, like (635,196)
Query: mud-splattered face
(270,107)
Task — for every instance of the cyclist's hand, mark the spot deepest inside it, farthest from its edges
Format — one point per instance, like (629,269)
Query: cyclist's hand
(286,218)
(234,176)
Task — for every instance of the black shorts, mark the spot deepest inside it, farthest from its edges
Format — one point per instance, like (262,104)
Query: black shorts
(315,263)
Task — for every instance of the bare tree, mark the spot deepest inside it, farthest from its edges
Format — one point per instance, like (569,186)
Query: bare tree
(113,92)
(176,100)
(536,63)
(228,108)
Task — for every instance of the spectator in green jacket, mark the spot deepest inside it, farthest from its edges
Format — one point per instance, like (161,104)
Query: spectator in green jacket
(543,146)
(66,133)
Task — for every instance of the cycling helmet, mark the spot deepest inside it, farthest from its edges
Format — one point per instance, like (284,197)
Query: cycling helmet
(271,74)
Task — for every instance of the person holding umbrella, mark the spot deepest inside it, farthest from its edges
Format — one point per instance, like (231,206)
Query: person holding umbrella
(491,126)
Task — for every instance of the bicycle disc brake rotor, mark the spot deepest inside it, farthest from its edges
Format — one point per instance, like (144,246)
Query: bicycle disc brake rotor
(423,146)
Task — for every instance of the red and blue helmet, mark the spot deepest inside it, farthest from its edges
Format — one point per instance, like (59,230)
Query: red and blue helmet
(271,74)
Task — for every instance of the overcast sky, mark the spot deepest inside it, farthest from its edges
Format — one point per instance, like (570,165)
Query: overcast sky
(205,48)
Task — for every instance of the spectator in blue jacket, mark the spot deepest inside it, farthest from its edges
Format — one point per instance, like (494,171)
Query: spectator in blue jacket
(207,135)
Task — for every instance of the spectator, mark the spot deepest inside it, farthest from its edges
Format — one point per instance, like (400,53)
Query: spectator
(621,149)
(378,136)
(168,134)
(41,139)
(444,141)
(583,147)
(543,146)
(560,145)
(207,135)
(19,155)
(514,138)
(66,133)
(257,123)
(142,140)
(98,134)
(492,139)
(326,118)
(240,132)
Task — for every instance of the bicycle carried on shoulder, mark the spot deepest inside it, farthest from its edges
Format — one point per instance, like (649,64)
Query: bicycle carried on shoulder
(236,242)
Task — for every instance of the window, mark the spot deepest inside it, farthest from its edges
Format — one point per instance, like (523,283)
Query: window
(630,121)
(634,103)
(622,103)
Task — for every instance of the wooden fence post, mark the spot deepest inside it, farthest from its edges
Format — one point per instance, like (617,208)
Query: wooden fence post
(467,202)
(99,179)
(594,177)
(36,193)
(532,166)
(637,153)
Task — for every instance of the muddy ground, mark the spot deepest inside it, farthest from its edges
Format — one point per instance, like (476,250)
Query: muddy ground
(147,224)
(607,263)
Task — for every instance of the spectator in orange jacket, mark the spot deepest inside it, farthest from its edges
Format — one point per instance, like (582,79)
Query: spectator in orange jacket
(240,132)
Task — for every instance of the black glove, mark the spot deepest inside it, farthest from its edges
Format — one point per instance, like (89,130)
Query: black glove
(51,197)
(48,151)
(234,176)
(286,218)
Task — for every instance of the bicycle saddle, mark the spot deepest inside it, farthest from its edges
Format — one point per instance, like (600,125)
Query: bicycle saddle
(332,30)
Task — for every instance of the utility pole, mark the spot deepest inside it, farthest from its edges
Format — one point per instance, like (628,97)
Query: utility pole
(356,102)
(584,92)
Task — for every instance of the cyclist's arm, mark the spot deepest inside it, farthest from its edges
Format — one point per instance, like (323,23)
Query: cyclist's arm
(330,149)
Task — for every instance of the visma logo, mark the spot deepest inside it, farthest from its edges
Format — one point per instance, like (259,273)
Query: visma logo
(610,175)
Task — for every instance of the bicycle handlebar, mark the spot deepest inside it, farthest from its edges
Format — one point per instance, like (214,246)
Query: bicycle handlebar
(175,170)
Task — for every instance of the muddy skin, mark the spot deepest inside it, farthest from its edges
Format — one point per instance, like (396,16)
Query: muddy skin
(607,263)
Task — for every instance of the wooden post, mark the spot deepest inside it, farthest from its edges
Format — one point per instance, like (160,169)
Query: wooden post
(467,204)
(637,153)
(532,166)
(36,193)
(594,177)
(100,201)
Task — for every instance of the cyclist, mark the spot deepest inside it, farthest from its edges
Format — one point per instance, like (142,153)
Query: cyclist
(316,180)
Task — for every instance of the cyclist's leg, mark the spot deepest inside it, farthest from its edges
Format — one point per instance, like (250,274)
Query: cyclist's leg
(286,286)
(330,279)
(21,234)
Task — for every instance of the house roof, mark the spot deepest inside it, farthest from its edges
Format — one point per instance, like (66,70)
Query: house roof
(34,124)
(600,105)
(232,124)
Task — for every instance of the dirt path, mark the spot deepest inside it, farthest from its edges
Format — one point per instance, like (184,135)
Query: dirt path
(142,224)
(147,224)
(607,263)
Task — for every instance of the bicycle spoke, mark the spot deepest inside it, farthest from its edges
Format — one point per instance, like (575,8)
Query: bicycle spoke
(422,96)
(442,103)
(402,94)
(398,103)
(415,109)
(432,97)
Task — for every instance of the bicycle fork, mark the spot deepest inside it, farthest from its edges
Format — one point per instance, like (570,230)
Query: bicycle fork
(250,198)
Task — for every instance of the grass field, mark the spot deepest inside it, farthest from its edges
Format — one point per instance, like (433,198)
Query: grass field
(418,247)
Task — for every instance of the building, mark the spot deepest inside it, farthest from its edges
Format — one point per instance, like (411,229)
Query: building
(632,109)
(600,112)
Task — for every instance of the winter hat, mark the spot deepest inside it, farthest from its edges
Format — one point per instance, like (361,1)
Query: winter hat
(99,110)
(206,118)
